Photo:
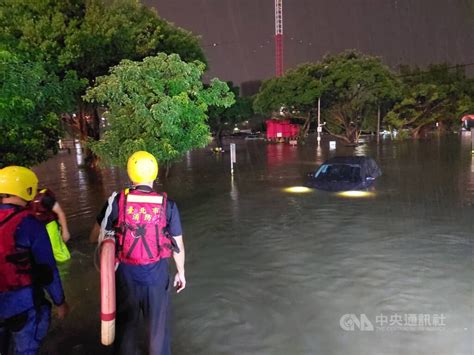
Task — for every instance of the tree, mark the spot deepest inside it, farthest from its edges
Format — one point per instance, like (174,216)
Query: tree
(89,37)
(437,95)
(295,94)
(355,85)
(126,29)
(221,116)
(350,85)
(31,100)
(158,105)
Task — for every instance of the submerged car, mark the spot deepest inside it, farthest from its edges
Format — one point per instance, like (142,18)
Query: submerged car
(345,174)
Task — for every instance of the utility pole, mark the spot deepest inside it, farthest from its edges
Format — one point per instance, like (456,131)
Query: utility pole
(278,38)
(320,128)
(378,124)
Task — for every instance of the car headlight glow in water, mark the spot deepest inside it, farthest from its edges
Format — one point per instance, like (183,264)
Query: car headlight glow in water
(355,194)
(298,189)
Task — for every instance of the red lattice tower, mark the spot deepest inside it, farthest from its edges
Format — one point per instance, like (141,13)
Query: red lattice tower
(279,38)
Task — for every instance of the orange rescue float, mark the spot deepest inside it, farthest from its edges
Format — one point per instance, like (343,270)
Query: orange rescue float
(107,291)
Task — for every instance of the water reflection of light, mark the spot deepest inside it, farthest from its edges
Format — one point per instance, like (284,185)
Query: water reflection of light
(234,196)
(361,149)
(298,189)
(470,187)
(82,180)
(79,155)
(319,155)
(62,171)
(280,154)
(355,194)
(234,192)
(79,158)
(188,160)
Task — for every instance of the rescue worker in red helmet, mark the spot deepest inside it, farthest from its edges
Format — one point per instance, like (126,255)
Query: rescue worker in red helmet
(148,234)
(27,267)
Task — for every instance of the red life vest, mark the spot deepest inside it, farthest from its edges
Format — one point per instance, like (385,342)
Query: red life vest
(141,229)
(41,212)
(15,263)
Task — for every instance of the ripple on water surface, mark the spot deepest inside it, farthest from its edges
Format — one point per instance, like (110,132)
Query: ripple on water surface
(271,272)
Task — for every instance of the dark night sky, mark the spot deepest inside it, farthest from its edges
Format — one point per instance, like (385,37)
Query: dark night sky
(400,31)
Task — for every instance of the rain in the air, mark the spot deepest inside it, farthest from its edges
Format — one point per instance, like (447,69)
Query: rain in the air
(237,177)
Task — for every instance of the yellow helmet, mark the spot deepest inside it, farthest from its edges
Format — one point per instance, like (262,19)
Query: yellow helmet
(18,181)
(142,167)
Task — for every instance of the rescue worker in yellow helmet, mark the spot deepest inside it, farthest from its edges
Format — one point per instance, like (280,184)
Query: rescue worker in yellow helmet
(27,266)
(148,233)
(142,167)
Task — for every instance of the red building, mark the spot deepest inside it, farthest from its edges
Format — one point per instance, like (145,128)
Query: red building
(277,129)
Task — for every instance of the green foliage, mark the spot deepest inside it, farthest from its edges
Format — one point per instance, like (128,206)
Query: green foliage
(158,105)
(294,95)
(350,85)
(90,36)
(37,30)
(296,92)
(86,37)
(356,85)
(123,29)
(240,111)
(439,94)
(180,41)
(30,101)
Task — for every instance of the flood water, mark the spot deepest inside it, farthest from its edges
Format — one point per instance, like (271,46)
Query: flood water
(273,272)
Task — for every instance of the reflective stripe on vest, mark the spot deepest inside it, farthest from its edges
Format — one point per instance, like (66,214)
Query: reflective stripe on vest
(15,263)
(145,199)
